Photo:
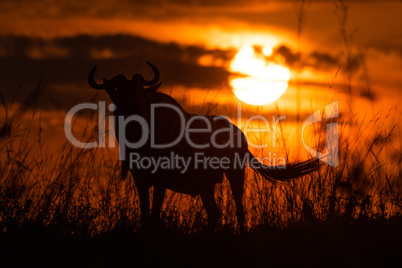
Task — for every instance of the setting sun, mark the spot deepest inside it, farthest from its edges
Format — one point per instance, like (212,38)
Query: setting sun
(263,82)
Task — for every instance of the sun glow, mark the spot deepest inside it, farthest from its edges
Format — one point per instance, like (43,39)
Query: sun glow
(259,82)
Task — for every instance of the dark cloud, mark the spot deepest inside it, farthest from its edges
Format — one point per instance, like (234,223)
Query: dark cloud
(64,76)
(287,54)
(319,60)
(64,62)
(316,59)
(353,63)
(368,94)
(112,8)
(65,80)
(103,47)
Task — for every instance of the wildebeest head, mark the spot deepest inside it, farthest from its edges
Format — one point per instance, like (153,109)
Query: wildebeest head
(123,91)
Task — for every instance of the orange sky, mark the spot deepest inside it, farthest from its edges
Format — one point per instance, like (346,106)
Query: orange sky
(229,24)
(60,41)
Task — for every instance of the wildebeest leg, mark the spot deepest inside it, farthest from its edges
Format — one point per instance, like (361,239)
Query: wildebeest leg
(208,200)
(236,180)
(159,195)
(143,193)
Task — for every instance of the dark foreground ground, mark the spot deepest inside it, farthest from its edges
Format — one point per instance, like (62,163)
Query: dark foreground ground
(364,243)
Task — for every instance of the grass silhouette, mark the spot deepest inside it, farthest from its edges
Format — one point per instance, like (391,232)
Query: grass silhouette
(76,202)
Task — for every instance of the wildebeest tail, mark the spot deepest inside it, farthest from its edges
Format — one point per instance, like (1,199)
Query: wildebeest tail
(284,173)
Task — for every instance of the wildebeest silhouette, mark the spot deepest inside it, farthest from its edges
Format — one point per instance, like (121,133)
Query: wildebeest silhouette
(220,139)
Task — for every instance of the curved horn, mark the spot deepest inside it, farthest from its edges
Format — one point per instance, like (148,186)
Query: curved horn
(154,88)
(156,77)
(91,80)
